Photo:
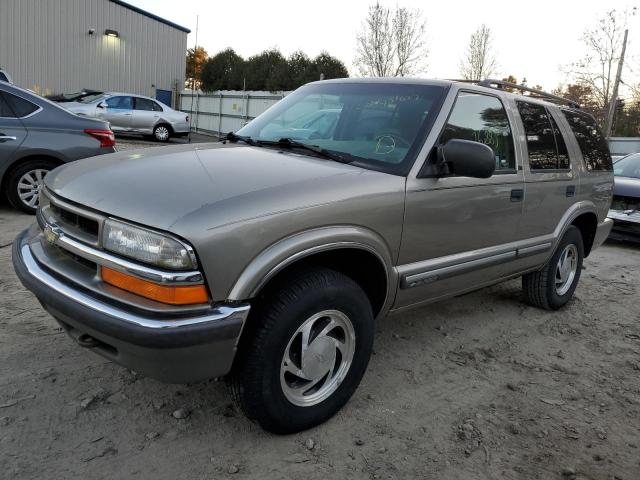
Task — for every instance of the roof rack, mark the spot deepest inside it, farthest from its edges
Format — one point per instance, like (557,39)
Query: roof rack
(502,85)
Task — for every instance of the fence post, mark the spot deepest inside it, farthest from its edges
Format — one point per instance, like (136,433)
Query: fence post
(220,114)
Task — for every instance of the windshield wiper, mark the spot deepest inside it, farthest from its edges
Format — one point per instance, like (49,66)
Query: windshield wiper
(323,152)
(232,137)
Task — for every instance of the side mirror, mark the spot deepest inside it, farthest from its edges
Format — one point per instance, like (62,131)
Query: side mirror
(467,159)
(103,105)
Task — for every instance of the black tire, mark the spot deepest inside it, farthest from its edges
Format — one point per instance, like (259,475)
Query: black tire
(540,286)
(13,195)
(255,381)
(159,132)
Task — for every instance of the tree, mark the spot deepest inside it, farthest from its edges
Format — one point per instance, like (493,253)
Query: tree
(597,68)
(223,71)
(479,61)
(391,43)
(328,67)
(195,60)
(267,71)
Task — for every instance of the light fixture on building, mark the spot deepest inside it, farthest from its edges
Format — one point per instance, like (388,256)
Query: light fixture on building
(111,33)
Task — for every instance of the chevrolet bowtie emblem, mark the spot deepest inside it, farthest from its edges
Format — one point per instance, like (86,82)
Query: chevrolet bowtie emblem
(51,234)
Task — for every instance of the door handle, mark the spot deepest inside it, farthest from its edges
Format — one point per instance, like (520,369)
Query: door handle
(571,190)
(6,138)
(517,194)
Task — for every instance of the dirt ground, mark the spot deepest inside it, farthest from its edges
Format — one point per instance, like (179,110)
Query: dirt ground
(480,387)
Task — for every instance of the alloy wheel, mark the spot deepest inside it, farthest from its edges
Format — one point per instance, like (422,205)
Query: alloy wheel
(162,133)
(29,186)
(317,358)
(566,269)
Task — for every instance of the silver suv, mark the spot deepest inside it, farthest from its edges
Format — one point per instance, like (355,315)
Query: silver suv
(268,257)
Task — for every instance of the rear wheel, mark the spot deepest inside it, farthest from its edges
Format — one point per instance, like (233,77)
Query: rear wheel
(162,133)
(25,182)
(553,286)
(305,353)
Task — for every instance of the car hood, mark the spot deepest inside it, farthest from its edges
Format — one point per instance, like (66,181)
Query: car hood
(626,186)
(205,184)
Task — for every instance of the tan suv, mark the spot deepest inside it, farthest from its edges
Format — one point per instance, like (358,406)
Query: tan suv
(267,258)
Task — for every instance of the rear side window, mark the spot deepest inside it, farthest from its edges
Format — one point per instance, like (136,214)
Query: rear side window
(19,106)
(546,147)
(590,140)
(482,118)
(5,111)
(144,104)
(157,107)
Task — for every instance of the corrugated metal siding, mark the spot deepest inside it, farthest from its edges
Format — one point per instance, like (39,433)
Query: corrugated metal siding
(44,44)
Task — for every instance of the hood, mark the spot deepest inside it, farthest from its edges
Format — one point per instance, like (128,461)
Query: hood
(208,184)
(626,186)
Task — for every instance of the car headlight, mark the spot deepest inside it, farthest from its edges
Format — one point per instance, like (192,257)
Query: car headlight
(147,246)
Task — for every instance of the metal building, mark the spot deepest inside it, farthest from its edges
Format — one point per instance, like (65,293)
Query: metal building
(63,46)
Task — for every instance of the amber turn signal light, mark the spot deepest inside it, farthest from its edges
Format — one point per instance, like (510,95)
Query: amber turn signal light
(174,295)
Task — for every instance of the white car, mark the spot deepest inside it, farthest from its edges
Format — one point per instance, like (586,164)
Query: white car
(129,113)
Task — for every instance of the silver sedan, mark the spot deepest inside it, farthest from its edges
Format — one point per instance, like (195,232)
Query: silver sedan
(127,113)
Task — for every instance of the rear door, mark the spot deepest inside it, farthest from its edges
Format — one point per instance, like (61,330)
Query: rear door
(12,132)
(119,113)
(145,115)
(551,184)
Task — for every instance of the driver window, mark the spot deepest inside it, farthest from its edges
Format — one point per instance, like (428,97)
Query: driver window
(482,118)
(120,103)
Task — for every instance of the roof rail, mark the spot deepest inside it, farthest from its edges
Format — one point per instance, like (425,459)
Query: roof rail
(502,85)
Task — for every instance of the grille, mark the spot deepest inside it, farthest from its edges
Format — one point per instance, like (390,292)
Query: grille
(73,224)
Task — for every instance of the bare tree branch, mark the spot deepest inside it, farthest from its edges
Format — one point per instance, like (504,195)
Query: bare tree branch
(391,43)
(479,61)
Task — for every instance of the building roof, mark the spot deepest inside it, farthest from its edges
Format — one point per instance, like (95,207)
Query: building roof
(150,15)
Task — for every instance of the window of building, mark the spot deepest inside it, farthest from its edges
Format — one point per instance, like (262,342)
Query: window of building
(482,118)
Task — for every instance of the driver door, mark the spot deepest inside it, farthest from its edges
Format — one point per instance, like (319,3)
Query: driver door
(457,229)
(119,113)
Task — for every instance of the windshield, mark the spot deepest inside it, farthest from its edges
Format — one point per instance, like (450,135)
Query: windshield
(628,166)
(380,126)
(91,98)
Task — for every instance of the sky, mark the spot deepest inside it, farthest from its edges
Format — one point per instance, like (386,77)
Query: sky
(535,43)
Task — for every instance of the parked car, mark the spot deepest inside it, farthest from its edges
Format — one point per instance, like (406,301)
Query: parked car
(128,113)
(4,76)
(268,259)
(625,208)
(622,146)
(36,136)
(74,97)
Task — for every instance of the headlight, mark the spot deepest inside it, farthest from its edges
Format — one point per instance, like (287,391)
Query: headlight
(147,246)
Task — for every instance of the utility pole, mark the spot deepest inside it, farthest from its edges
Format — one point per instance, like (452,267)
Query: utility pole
(614,94)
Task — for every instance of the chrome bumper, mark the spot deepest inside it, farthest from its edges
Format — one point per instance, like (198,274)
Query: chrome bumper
(173,347)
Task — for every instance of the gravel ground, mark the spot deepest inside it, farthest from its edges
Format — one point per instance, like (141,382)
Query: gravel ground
(480,387)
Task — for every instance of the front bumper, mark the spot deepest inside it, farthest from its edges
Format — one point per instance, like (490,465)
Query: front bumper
(175,349)
(626,224)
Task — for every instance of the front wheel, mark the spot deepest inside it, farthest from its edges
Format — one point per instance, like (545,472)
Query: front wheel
(305,352)
(553,286)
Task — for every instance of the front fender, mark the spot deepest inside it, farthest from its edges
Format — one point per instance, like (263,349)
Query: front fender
(291,249)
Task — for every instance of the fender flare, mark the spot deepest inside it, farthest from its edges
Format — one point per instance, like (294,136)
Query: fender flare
(288,250)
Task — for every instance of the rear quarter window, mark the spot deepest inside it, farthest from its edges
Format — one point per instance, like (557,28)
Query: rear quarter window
(592,143)
(21,107)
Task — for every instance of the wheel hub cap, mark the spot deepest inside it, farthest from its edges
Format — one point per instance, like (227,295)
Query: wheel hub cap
(317,358)
(29,186)
(566,269)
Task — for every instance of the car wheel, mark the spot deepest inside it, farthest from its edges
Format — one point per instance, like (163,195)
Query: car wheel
(25,182)
(305,351)
(553,286)
(162,133)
